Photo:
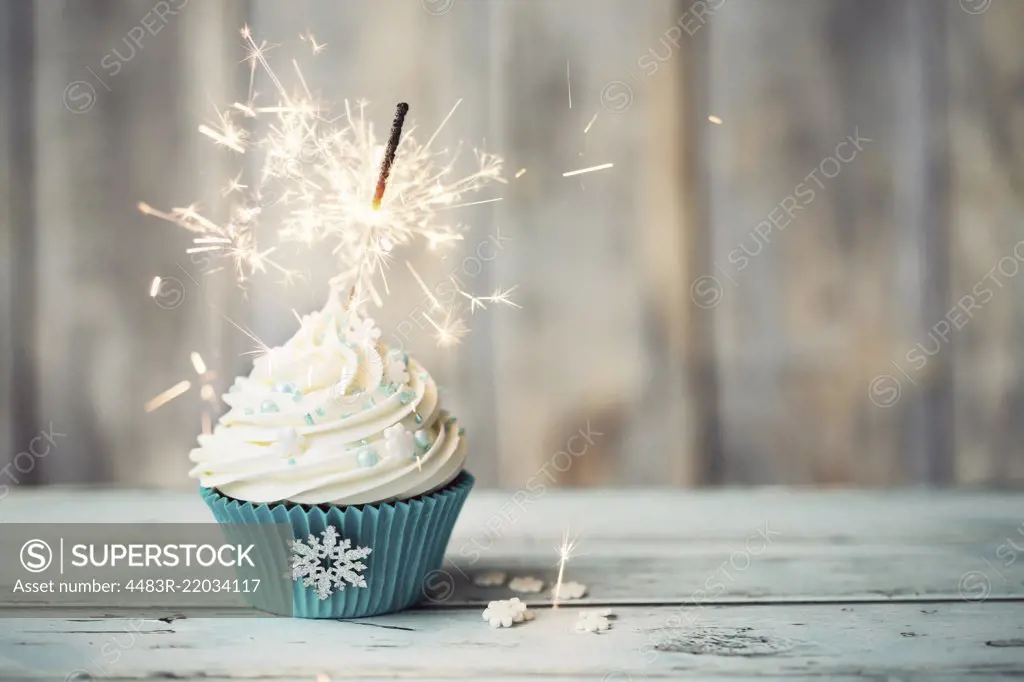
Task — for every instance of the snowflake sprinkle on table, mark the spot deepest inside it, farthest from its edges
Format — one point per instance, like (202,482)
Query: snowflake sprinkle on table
(570,590)
(328,565)
(596,621)
(490,578)
(504,613)
(526,584)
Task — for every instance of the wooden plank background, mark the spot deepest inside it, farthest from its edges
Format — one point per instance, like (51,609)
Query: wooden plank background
(802,366)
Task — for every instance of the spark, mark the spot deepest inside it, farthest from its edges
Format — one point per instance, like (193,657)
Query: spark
(714,119)
(568,82)
(587,129)
(419,280)
(450,330)
(477,203)
(520,173)
(317,47)
(591,169)
(197,363)
(498,296)
(167,396)
(312,184)
(154,288)
(565,550)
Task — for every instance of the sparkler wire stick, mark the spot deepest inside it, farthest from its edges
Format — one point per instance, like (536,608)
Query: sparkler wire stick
(389,154)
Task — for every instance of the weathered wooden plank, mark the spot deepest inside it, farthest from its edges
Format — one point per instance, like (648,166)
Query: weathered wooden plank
(808,247)
(983,326)
(775,642)
(104,346)
(598,258)
(767,545)
(16,287)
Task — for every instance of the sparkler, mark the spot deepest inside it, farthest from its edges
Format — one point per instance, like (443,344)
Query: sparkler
(320,180)
(565,551)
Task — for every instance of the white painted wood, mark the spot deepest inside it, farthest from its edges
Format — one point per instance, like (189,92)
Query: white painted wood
(833,641)
(705,547)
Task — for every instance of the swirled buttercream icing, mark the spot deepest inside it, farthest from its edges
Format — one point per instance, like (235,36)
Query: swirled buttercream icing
(332,416)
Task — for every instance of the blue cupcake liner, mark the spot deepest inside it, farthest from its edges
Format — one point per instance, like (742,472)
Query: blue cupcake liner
(407,538)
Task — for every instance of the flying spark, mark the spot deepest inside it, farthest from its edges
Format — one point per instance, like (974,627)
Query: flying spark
(197,363)
(581,171)
(520,173)
(587,129)
(154,288)
(715,120)
(565,550)
(161,399)
(568,82)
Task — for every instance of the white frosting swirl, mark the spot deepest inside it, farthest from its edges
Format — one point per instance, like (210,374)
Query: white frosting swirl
(332,416)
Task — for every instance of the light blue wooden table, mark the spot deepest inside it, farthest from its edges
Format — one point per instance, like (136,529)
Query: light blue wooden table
(729,585)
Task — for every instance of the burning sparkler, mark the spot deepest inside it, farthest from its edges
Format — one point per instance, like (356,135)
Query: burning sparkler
(321,180)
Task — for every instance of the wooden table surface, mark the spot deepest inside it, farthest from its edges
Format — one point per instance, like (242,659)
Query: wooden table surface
(729,585)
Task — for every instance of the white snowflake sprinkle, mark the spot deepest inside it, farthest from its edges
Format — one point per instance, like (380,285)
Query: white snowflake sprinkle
(593,621)
(395,372)
(342,563)
(290,443)
(504,613)
(490,578)
(398,442)
(569,590)
(364,332)
(526,585)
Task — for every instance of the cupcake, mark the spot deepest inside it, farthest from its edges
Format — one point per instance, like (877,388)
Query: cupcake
(345,441)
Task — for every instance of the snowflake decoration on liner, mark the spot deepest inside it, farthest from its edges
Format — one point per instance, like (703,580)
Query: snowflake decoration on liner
(364,332)
(490,578)
(595,621)
(398,442)
(569,590)
(502,614)
(342,563)
(395,372)
(526,585)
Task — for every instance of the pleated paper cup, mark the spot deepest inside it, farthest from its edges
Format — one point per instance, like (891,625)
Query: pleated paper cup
(407,541)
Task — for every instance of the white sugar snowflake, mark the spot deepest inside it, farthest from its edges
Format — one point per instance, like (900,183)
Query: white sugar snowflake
(570,589)
(595,621)
(363,332)
(395,372)
(502,614)
(342,563)
(490,578)
(398,442)
(526,584)
(290,443)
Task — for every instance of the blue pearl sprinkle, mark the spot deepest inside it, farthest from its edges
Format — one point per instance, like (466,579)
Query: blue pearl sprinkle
(320,412)
(368,405)
(285,387)
(291,461)
(405,397)
(367,458)
(419,418)
(309,419)
(297,396)
(269,406)
(462,431)
(422,438)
